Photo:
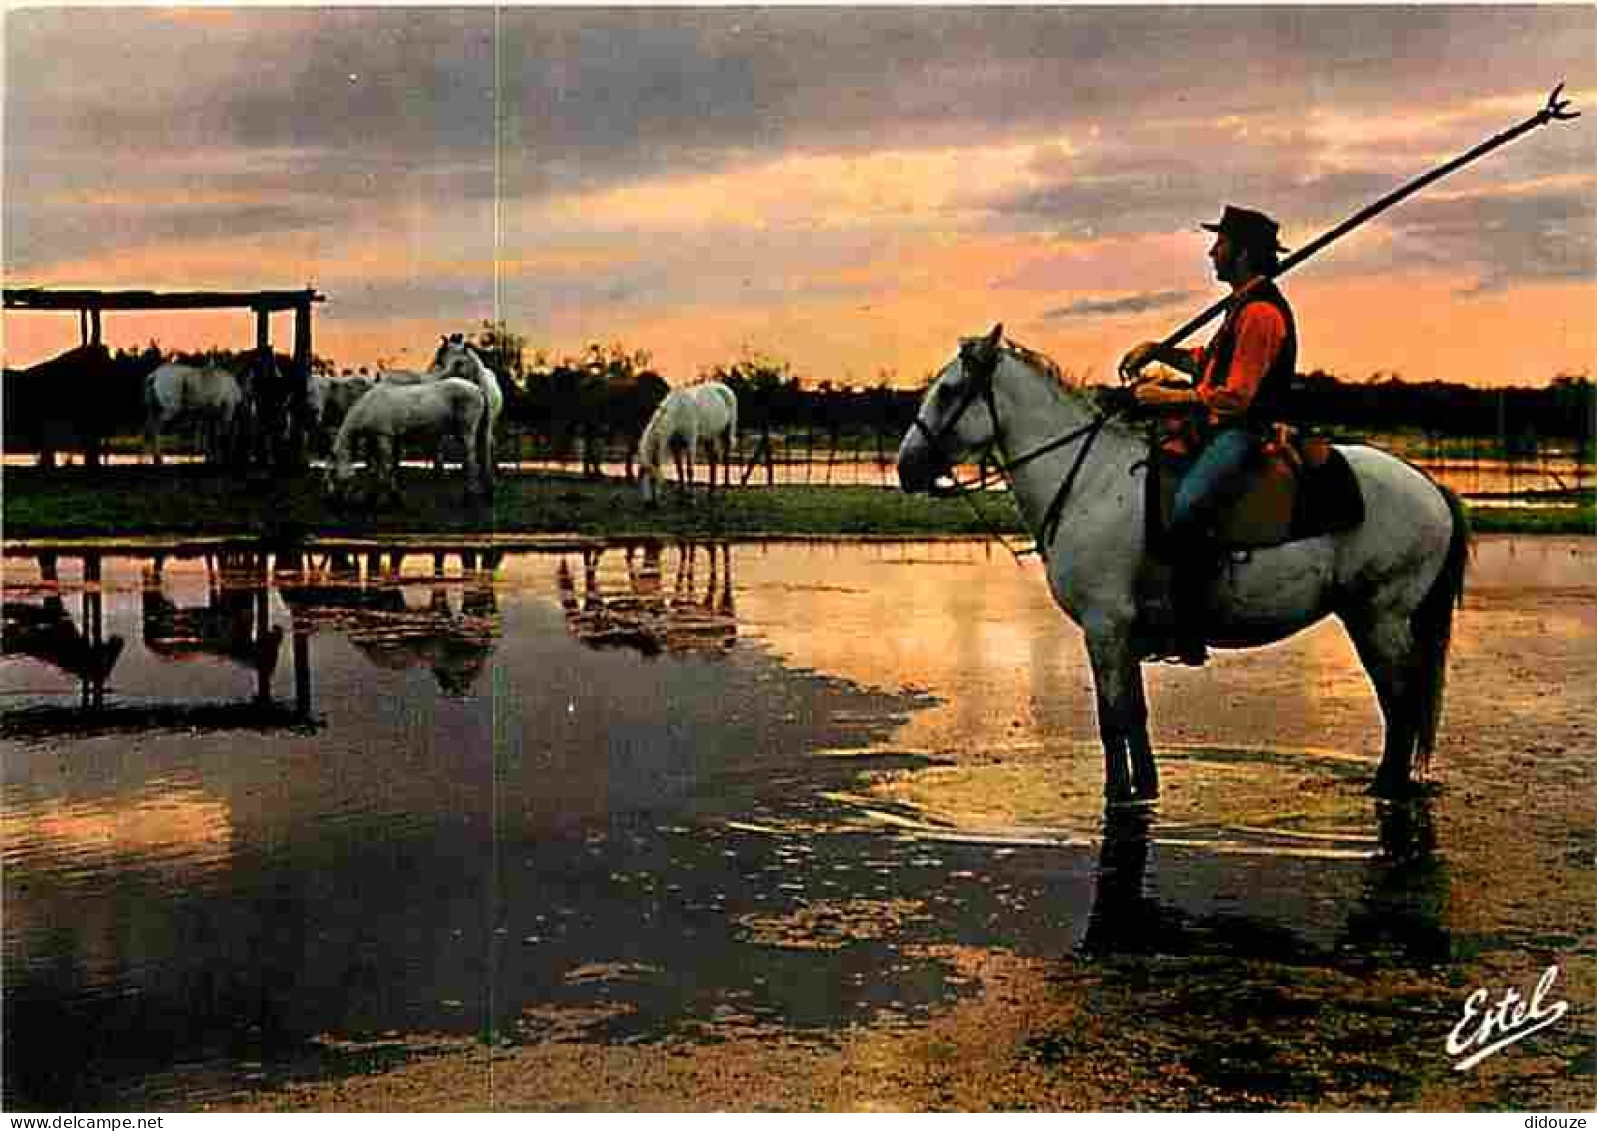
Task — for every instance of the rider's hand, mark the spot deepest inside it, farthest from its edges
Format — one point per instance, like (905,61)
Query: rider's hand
(1137,358)
(1157,393)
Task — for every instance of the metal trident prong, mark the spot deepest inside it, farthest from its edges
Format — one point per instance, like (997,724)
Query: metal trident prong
(1557,109)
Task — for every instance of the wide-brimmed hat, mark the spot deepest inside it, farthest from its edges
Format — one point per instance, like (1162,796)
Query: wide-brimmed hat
(1247,227)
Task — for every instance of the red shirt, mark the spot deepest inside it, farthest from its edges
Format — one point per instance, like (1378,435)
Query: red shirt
(1261,332)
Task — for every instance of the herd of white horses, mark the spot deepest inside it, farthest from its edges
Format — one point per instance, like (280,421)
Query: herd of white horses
(457,398)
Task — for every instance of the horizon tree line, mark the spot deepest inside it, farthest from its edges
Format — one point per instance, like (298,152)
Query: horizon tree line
(599,399)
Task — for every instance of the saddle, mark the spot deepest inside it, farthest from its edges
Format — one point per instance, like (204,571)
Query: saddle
(1298,487)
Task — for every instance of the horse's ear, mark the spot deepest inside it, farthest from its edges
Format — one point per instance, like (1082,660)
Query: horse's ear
(987,350)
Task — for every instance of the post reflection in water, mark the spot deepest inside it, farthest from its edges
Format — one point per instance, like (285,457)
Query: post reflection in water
(46,631)
(642,614)
(230,627)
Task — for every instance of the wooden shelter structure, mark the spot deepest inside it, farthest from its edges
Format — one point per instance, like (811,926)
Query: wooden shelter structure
(276,395)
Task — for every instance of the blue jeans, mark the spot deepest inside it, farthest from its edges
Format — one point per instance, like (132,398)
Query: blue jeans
(1213,479)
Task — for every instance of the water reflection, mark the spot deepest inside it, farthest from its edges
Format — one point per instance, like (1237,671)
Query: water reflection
(451,631)
(231,625)
(428,860)
(697,613)
(661,837)
(46,631)
(1398,915)
(1404,898)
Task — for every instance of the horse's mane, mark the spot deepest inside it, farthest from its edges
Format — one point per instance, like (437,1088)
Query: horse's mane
(1038,360)
(1045,366)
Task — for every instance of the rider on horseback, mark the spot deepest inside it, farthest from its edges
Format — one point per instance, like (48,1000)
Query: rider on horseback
(1239,386)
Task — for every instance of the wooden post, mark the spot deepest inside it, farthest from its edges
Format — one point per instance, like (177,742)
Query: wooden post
(299,404)
(94,326)
(268,418)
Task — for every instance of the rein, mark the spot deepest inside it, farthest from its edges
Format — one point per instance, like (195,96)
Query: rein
(981,384)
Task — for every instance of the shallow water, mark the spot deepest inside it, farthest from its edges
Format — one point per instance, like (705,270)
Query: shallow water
(683,788)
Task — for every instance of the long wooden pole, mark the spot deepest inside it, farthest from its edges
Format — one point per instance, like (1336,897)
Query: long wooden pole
(1556,110)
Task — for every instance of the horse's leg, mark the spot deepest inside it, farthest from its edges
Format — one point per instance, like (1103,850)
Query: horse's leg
(1117,678)
(1144,771)
(1385,645)
(152,438)
(383,464)
(684,461)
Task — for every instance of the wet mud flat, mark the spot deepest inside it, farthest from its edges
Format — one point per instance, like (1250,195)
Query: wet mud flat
(851,858)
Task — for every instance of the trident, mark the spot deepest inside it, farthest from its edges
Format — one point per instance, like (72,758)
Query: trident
(1556,110)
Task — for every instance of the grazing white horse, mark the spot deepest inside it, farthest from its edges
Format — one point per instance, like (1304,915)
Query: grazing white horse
(388,413)
(1393,580)
(458,358)
(206,394)
(706,413)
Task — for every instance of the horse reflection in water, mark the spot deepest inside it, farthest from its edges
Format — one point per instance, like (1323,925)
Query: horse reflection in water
(47,632)
(453,640)
(693,617)
(232,625)
(1398,917)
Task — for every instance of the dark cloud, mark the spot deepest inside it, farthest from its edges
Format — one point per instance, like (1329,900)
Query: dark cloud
(1512,222)
(1131,304)
(1548,235)
(377,108)
(597,93)
(456,303)
(72,208)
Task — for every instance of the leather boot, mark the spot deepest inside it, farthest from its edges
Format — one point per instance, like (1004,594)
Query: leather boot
(1195,572)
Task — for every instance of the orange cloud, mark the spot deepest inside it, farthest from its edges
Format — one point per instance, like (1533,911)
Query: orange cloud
(813,190)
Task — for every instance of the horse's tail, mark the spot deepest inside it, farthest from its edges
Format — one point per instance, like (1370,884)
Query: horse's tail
(1432,626)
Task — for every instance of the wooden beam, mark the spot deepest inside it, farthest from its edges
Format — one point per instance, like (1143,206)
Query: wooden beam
(41,298)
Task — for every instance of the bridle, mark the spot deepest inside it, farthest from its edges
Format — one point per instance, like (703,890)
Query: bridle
(978,366)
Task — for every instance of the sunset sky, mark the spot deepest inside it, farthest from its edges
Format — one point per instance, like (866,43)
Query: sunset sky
(848,191)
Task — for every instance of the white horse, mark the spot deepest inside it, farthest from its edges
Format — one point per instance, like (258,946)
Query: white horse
(330,401)
(458,358)
(1393,580)
(388,413)
(706,413)
(206,394)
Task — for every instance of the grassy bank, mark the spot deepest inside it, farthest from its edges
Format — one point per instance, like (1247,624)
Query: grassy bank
(188,500)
